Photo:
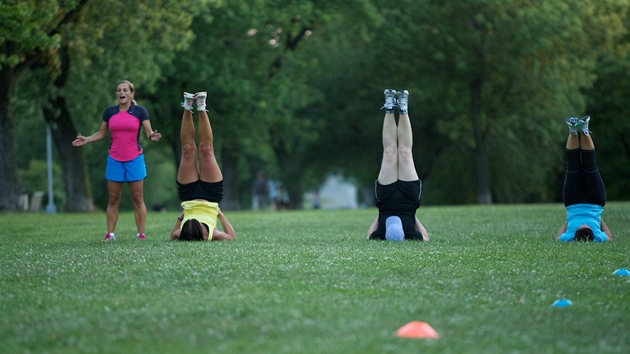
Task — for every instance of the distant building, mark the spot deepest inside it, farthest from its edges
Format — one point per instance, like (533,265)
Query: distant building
(335,193)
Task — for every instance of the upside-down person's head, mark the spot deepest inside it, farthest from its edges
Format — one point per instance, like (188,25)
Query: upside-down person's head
(192,230)
(394,229)
(584,234)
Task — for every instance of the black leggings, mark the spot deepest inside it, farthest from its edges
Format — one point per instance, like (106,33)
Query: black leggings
(582,183)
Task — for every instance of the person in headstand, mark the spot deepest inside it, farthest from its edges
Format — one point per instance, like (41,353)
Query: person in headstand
(398,187)
(584,192)
(199,180)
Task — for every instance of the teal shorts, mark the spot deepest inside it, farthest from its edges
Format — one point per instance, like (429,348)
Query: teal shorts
(128,171)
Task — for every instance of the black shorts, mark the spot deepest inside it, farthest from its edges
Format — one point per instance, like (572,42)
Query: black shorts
(399,192)
(210,191)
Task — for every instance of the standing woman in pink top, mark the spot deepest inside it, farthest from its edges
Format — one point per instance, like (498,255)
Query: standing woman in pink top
(125,160)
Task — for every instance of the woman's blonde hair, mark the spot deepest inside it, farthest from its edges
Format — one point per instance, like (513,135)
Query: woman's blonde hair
(131,87)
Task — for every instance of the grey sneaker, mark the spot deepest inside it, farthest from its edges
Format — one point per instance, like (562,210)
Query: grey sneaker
(584,124)
(573,124)
(403,101)
(390,100)
(188,101)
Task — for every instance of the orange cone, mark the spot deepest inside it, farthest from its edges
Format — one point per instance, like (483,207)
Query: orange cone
(416,329)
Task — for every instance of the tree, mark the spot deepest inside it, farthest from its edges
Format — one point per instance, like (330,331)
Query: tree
(110,42)
(250,59)
(296,141)
(498,69)
(30,31)
(483,77)
(607,102)
(132,42)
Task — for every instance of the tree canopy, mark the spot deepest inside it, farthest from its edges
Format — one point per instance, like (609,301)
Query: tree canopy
(295,87)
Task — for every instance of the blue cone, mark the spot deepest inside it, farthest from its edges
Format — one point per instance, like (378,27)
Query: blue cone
(562,303)
(622,272)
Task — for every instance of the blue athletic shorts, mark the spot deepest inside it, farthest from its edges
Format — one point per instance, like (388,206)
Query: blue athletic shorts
(128,171)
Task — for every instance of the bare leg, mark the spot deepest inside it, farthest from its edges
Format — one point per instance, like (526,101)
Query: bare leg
(586,143)
(188,172)
(115,189)
(208,167)
(389,165)
(140,209)
(573,142)
(406,167)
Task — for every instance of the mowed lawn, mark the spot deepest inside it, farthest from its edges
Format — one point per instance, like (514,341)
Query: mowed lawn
(309,282)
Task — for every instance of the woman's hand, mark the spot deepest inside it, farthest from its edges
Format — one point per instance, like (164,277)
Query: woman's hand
(99,135)
(155,136)
(80,140)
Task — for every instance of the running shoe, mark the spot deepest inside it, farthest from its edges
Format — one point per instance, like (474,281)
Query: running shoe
(584,124)
(200,97)
(188,101)
(403,101)
(390,100)
(573,124)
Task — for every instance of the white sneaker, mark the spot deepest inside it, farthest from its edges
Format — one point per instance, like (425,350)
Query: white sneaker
(200,97)
(573,124)
(584,124)
(188,101)
(109,237)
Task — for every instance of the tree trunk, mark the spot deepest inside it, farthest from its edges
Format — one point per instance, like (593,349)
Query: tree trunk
(484,194)
(9,184)
(231,196)
(296,198)
(75,174)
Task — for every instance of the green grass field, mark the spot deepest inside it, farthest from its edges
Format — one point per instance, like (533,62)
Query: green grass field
(309,282)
